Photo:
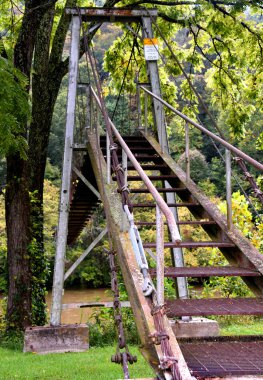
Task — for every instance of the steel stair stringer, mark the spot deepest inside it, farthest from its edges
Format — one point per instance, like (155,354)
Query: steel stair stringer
(118,231)
(244,254)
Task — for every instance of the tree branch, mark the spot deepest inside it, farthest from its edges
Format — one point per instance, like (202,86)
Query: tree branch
(186,2)
(159,2)
(245,25)
(208,59)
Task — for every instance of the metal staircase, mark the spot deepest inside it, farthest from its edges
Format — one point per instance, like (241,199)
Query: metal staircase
(205,357)
(151,175)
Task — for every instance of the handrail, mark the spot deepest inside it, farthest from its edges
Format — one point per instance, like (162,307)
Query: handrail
(175,235)
(229,146)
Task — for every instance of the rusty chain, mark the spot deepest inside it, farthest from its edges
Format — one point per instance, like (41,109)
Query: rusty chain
(168,363)
(124,357)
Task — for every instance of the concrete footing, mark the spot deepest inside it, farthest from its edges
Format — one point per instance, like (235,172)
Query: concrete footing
(196,327)
(56,339)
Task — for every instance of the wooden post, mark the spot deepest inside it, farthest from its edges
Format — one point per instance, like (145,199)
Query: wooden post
(156,88)
(58,280)
(187,148)
(229,190)
(159,256)
(163,140)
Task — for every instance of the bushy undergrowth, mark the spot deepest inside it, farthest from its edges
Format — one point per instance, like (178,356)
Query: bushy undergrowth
(12,340)
(102,325)
(102,329)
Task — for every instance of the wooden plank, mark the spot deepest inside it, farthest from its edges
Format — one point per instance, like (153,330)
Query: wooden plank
(132,276)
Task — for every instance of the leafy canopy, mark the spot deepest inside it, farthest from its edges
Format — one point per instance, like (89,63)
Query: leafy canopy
(217,42)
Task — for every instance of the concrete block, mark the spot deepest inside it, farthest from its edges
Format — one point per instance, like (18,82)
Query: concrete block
(56,339)
(196,327)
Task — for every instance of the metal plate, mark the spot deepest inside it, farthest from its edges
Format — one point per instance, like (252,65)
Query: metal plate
(206,271)
(214,306)
(207,358)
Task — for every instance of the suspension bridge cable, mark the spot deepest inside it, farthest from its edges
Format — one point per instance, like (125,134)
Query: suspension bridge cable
(125,75)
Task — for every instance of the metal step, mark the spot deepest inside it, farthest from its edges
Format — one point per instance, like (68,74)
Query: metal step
(214,306)
(193,244)
(143,158)
(129,139)
(149,167)
(161,177)
(224,357)
(135,149)
(190,222)
(207,272)
(181,204)
(160,190)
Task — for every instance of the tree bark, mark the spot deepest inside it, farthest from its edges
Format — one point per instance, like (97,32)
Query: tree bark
(17,191)
(24,217)
(48,72)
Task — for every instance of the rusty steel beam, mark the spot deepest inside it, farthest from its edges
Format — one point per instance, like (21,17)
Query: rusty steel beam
(206,271)
(112,14)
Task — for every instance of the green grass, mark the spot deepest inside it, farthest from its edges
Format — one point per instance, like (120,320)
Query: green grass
(94,364)
(250,328)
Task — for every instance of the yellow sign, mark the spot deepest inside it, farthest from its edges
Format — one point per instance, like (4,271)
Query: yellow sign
(151,52)
(150,41)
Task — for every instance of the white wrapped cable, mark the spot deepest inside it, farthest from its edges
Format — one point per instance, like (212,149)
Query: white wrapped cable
(139,254)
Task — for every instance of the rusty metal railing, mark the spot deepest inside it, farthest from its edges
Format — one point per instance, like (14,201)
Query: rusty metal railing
(161,209)
(175,235)
(227,145)
(228,149)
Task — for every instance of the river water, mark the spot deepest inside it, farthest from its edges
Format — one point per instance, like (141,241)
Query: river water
(80,315)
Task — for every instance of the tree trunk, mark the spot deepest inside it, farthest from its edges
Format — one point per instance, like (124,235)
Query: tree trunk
(18,237)
(24,217)
(17,191)
(48,71)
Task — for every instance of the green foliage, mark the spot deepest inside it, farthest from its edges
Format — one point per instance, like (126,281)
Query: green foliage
(102,326)
(242,218)
(220,46)
(38,262)
(14,109)
(3,249)
(199,166)
(12,340)
(2,315)
(52,173)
